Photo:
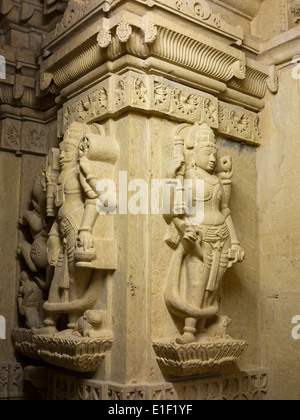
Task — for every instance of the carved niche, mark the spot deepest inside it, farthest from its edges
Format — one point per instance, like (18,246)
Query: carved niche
(205,245)
(68,257)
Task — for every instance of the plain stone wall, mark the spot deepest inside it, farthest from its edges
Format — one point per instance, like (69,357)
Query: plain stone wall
(278,178)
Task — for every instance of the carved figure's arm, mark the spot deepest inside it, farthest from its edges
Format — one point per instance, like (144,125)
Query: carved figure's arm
(89,184)
(236,253)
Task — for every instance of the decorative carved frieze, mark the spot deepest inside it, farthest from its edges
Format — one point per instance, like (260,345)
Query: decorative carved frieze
(195,10)
(238,123)
(151,37)
(76,11)
(24,136)
(11,381)
(158,95)
(283,15)
(201,11)
(248,386)
(11,134)
(34,138)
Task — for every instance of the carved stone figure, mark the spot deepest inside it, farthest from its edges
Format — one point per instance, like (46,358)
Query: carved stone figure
(35,282)
(203,251)
(74,289)
(59,297)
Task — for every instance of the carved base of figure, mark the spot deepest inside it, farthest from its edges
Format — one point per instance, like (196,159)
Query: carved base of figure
(177,360)
(79,354)
(74,353)
(23,340)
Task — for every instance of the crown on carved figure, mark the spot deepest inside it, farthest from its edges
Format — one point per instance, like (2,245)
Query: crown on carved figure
(201,135)
(75,132)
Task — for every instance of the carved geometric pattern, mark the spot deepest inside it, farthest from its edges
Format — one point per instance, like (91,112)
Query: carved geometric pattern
(249,386)
(34,138)
(160,96)
(23,136)
(10,135)
(11,381)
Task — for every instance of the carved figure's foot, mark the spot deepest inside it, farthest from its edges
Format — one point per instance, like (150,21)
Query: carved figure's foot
(50,330)
(69,332)
(186,338)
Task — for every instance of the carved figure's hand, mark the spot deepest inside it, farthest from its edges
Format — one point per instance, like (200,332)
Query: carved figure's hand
(192,242)
(237,253)
(177,164)
(85,240)
(191,235)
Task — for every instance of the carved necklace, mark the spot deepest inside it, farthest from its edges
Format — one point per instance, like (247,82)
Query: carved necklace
(210,179)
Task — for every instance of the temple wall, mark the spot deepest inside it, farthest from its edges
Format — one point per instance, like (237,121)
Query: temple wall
(134,77)
(278,201)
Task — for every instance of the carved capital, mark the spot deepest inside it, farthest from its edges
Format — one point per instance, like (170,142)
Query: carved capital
(150,30)
(273,80)
(104,37)
(124,31)
(45,80)
(239,69)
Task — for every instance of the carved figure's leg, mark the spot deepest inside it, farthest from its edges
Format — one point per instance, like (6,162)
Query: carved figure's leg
(25,251)
(197,277)
(34,221)
(79,280)
(223,265)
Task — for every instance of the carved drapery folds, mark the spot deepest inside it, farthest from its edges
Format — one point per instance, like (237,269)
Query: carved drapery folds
(65,267)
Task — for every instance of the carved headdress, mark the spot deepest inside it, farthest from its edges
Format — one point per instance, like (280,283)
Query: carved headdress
(201,136)
(75,132)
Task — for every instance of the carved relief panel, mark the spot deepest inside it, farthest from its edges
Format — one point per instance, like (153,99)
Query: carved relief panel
(69,255)
(204,243)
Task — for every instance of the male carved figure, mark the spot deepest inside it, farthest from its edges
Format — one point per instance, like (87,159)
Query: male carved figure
(75,200)
(208,248)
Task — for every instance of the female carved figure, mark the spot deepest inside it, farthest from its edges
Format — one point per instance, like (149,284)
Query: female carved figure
(203,251)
